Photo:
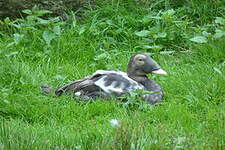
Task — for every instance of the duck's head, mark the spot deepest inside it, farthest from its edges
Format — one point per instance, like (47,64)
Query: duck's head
(141,64)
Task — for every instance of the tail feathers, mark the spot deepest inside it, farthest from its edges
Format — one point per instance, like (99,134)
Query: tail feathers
(45,89)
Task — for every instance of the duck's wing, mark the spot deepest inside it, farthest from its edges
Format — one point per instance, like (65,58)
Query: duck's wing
(104,83)
(77,86)
(116,83)
(70,87)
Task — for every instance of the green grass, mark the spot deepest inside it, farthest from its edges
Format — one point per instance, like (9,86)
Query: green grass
(192,115)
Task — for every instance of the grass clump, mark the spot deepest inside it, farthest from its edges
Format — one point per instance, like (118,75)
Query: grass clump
(190,49)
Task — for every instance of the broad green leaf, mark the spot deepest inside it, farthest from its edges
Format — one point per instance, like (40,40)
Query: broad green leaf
(27,11)
(48,37)
(18,37)
(199,39)
(220,20)
(7,20)
(82,30)
(56,19)
(42,12)
(160,35)
(169,12)
(167,52)
(30,18)
(146,19)
(155,47)
(6,101)
(43,21)
(219,34)
(206,34)
(149,18)
(102,56)
(57,30)
(147,47)
(142,33)
(109,22)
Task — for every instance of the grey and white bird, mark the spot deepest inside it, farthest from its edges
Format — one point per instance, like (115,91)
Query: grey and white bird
(107,83)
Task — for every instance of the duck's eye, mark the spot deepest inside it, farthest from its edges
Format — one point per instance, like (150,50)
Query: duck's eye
(140,59)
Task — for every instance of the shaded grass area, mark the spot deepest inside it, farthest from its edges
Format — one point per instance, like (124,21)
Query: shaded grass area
(191,116)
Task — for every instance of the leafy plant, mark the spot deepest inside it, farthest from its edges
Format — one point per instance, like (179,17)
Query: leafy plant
(164,30)
(34,23)
(212,31)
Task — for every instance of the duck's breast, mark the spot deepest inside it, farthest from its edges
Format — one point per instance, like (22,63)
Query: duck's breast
(116,83)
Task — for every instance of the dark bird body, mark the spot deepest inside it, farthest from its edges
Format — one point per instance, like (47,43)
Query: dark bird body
(107,83)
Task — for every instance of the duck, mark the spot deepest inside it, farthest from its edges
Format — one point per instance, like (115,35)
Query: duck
(108,83)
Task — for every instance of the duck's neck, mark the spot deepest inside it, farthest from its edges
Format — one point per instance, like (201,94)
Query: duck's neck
(138,78)
(135,74)
(149,85)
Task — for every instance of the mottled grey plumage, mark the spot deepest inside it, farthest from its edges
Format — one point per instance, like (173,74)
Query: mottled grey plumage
(105,83)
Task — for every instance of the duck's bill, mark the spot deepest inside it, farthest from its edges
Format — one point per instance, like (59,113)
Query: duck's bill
(159,71)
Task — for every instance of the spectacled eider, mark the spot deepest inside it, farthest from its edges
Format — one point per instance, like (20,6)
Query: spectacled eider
(107,83)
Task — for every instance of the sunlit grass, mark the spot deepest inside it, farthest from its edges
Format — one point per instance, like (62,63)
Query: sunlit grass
(190,117)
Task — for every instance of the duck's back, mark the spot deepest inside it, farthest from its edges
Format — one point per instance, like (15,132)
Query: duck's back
(104,83)
(115,82)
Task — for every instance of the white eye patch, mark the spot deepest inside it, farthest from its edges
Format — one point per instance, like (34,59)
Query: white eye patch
(139,59)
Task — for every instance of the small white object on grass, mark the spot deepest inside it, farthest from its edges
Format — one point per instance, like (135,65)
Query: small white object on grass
(114,123)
